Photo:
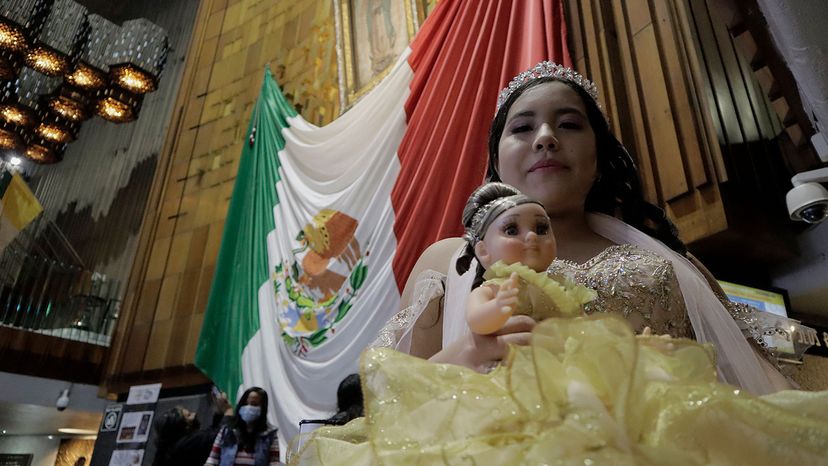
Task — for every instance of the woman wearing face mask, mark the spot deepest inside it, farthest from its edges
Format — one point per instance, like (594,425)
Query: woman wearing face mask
(247,440)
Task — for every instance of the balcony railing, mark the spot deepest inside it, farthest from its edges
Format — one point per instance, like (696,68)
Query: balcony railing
(46,288)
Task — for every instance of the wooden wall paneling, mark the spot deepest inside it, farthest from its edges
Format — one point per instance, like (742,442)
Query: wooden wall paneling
(765,156)
(636,134)
(592,57)
(756,96)
(607,43)
(741,101)
(666,167)
(659,117)
(679,88)
(726,115)
(575,41)
(702,94)
(639,49)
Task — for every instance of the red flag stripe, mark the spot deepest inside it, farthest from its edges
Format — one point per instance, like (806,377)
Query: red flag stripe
(464,54)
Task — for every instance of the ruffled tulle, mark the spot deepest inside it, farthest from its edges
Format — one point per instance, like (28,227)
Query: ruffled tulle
(541,296)
(585,391)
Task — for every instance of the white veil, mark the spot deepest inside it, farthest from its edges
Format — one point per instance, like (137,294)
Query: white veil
(738,363)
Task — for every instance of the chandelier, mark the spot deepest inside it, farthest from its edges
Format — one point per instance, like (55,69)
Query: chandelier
(60,65)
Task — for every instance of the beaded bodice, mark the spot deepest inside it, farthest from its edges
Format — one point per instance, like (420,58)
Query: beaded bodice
(635,283)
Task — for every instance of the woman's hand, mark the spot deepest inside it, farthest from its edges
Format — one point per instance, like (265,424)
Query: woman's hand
(223,405)
(482,352)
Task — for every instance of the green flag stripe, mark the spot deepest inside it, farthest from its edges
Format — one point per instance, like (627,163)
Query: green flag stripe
(232,315)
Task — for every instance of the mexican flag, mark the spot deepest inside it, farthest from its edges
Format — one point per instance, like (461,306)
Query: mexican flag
(325,223)
(18,207)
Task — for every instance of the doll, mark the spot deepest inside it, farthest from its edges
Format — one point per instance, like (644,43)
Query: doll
(511,236)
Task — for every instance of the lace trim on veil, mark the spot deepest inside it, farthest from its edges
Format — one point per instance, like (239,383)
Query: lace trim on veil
(396,334)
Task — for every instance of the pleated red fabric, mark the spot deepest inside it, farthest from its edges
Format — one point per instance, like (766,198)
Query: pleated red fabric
(466,51)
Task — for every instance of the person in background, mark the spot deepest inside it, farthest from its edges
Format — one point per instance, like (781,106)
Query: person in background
(181,441)
(247,439)
(348,400)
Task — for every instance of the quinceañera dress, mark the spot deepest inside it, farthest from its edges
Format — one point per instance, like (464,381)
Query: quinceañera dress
(587,390)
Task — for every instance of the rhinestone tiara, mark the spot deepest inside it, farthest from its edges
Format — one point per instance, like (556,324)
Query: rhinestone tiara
(548,69)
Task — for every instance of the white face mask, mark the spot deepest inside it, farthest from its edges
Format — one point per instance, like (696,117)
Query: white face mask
(249,413)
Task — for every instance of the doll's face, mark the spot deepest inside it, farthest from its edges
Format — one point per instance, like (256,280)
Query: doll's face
(521,234)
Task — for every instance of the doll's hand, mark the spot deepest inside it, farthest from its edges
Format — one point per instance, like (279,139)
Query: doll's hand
(507,295)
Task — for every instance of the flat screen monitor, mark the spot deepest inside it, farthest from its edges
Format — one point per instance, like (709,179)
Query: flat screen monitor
(764,300)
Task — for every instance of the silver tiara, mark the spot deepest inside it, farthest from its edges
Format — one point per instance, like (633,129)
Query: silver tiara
(548,69)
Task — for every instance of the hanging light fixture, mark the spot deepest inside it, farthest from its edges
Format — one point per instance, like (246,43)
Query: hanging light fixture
(9,139)
(19,21)
(117,105)
(90,72)
(72,100)
(69,104)
(43,152)
(17,115)
(64,31)
(56,131)
(20,99)
(138,56)
(76,65)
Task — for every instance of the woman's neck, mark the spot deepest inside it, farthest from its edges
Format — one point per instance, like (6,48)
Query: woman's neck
(576,240)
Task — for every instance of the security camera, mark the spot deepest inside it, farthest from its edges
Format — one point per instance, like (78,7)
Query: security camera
(62,400)
(808,200)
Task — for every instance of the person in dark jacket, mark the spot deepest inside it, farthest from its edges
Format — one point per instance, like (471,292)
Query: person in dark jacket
(182,441)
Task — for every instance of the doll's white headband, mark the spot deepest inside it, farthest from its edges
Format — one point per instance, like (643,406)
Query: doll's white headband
(486,214)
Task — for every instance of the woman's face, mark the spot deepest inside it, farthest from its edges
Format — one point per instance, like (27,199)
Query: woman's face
(548,149)
(253,399)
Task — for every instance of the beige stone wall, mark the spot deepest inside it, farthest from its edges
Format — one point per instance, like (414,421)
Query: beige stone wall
(233,41)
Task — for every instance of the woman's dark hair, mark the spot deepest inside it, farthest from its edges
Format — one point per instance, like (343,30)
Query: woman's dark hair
(617,190)
(248,439)
(171,427)
(479,198)
(349,401)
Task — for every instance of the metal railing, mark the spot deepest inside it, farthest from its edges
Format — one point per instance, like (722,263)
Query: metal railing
(45,288)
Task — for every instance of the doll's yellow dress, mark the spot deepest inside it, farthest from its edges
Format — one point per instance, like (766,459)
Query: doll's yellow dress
(586,391)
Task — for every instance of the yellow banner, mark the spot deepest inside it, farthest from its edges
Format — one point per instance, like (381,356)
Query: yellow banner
(20,206)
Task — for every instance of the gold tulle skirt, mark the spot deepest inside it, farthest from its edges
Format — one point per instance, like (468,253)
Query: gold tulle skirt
(586,391)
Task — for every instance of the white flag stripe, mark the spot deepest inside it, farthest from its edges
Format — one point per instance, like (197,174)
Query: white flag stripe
(349,167)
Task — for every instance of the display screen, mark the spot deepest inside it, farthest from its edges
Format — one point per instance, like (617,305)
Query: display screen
(763,300)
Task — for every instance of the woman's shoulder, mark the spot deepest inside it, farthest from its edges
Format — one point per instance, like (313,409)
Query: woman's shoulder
(443,249)
(438,256)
